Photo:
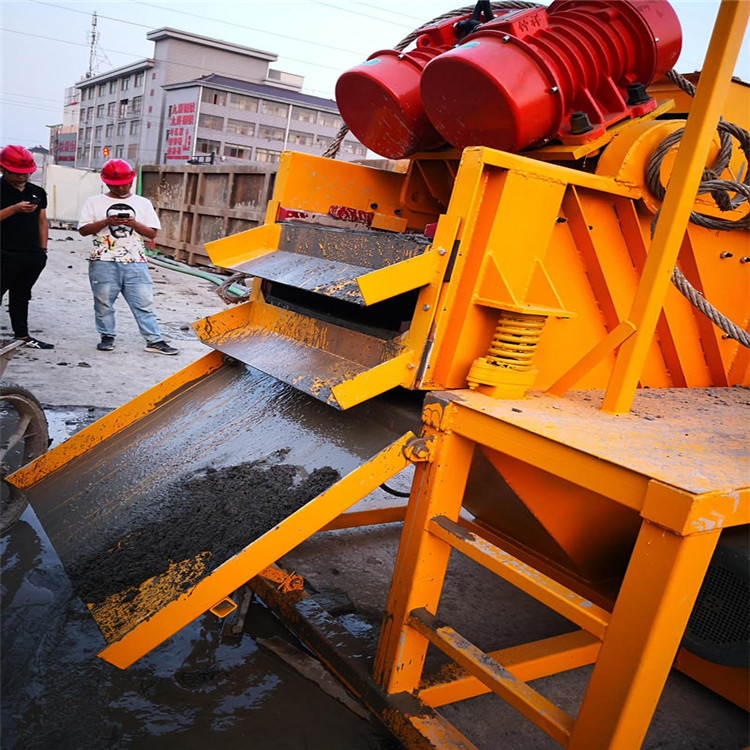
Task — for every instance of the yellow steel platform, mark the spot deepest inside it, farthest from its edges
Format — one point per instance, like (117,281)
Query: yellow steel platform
(680,459)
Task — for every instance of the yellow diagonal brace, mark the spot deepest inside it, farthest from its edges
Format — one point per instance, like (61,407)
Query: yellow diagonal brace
(678,201)
(268,548)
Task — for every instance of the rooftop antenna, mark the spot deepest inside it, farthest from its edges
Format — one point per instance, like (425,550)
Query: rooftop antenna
(96,54)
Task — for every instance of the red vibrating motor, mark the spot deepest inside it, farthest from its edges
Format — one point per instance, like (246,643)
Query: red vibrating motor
(513,79)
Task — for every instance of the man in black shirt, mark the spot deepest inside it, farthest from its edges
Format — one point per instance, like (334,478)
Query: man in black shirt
(23,238)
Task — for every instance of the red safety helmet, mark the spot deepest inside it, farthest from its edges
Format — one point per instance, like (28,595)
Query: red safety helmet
(17,159)
(117,172)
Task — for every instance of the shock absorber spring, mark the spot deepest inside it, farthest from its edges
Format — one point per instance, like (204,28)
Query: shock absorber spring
(507,370)
(515,340)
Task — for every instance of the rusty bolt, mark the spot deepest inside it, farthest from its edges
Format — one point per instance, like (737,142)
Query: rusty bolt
(725,255)
(744,259)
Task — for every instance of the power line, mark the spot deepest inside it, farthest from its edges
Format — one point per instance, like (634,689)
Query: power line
(249,28)
(357,13)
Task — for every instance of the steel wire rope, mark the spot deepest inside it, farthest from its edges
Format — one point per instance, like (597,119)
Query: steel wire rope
(335,144)
(719,189)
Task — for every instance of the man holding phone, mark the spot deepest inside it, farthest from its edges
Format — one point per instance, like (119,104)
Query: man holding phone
(119,221)
(23,238)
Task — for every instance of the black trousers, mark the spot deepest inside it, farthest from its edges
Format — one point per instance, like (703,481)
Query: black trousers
(19,270)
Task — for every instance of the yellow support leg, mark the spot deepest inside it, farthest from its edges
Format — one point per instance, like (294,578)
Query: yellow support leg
(421,563)
(649,618)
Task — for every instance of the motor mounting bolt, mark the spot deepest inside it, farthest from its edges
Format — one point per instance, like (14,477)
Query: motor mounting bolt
(725,255)
(554,90)
(744,259)
(506,38)
(410,366)
(426,307)
(397,211)
(441,251)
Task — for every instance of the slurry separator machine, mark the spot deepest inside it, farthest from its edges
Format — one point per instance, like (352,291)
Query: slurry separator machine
(541,282)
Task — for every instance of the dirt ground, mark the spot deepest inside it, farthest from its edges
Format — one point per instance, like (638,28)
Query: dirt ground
(61,312)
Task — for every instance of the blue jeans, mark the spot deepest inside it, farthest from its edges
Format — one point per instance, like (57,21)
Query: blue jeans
(108,279)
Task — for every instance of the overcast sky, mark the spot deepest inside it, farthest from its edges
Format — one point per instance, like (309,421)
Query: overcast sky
(45,43)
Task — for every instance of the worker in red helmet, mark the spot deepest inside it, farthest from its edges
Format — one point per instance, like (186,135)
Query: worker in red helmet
(119,221)
(23,238)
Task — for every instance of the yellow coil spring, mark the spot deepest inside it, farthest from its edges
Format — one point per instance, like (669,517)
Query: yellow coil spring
(515,340)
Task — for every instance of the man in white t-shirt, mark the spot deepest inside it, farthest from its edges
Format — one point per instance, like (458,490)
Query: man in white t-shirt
(118,221)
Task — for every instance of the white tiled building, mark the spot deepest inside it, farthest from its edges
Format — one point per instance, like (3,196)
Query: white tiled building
(198,96)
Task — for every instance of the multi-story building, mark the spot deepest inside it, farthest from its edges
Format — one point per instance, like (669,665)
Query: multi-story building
(196,96)
(241,121)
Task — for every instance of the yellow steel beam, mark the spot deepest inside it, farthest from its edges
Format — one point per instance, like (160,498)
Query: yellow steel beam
(683,185)
(534,706)
(421,562)
(258,555)
(390,281)
(592,358)
(554,172)
(115,421)
(561,599)
(527,662)
(648,620)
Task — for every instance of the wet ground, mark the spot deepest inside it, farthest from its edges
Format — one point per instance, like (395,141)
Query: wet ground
(206,686)
(201,688)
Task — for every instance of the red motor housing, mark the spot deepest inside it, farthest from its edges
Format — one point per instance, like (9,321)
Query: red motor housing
(379,99)
(566,72)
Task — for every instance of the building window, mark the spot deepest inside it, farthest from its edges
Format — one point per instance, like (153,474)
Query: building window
(112,87)
(270,133)
(300,139)
(212,122)
(204,146)
(121,128)
(304,115)
(268,156)
(81,134)
(88,134)
(212,96)
(274,108)
(135,127)
(110,130)
(138,80)
(102,89)
(122,109)
(111,109)
(248,103)
(125,83)
(86,152)
(136,104)
(98,131)
(90,113)
(237,152)
(119,152)
(348,147)
(132,152)
(240,127)
(100,110)
(329,120)
(322,141)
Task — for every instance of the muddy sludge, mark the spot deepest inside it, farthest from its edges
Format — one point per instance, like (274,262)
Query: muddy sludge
(211,516)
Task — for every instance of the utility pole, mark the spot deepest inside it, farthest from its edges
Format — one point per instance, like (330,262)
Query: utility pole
(92,47)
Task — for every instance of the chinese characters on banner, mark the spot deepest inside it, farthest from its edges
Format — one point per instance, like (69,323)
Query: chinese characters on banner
(180,132)
(66,148)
